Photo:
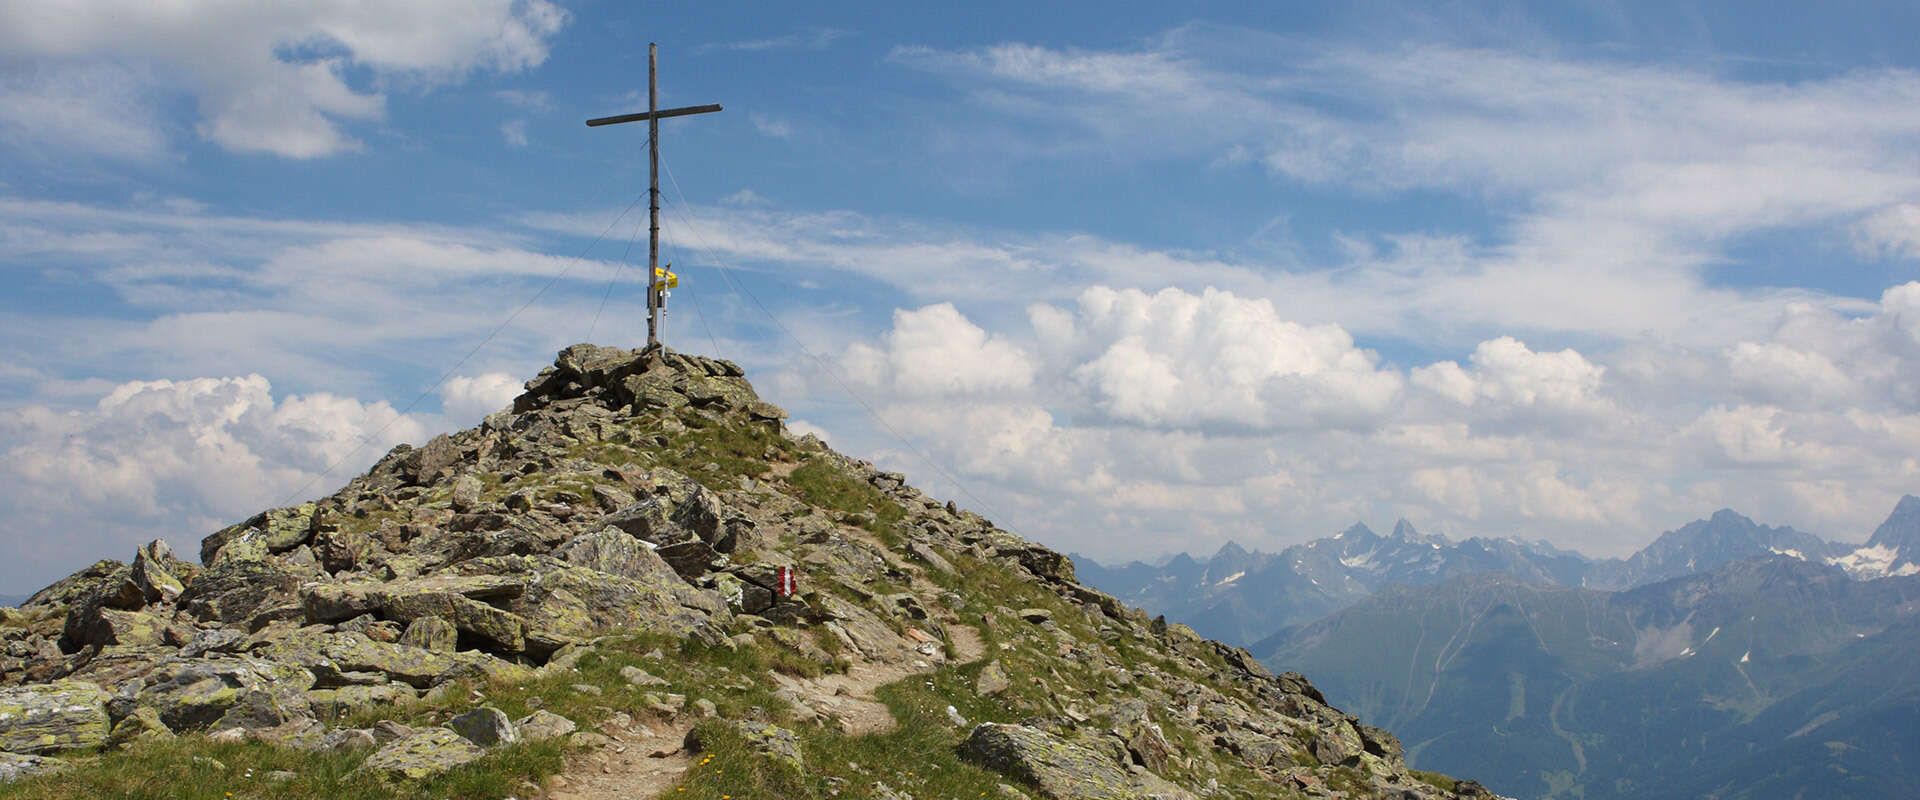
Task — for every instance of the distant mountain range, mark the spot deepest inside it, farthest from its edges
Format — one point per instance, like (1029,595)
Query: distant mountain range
(1241,596)
(11,600)
(1767,677)
(1727,659)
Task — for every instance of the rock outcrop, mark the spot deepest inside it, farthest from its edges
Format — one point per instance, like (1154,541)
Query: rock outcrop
(643,493)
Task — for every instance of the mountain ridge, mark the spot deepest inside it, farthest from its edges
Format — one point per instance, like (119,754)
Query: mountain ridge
(1306,581)
(1695,686)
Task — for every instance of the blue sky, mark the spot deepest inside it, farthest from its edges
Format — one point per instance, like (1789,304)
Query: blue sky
(1141,282)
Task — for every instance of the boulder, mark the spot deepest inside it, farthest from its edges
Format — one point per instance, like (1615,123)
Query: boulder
(46,718)
(992,680)
(485,726)
(565,602)
(615,552)
(640,677)
(141,725)
(275,531)
(422,755)
(75,588)
(153,574)
(431,633)
(202,693)
(337,653)
(93,624)
(1059,769)
(771,741)
(543,725)
(466,494)
(14,766)
(234,590)
(336,704)
(496,630)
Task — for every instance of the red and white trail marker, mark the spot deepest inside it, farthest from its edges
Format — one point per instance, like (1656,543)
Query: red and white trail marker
(785,584)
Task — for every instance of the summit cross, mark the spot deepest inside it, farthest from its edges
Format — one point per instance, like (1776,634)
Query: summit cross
(656,299)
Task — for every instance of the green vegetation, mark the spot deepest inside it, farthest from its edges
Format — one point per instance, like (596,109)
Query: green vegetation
(193,768)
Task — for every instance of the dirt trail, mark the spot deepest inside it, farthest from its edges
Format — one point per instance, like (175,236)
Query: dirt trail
(646,760)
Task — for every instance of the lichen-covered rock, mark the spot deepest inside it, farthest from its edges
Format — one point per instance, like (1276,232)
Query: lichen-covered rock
(496,630)
(57,717)
(235,590)
(335,653)
(337,703)
(770,741)
(564,602)
(275,531)
(422,755)
(992,680)
(201,693)
(153,571)
(431,633)
(141,725)
(1058,769)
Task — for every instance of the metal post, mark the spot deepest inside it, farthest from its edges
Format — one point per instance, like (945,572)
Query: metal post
(653,198)
(656,302)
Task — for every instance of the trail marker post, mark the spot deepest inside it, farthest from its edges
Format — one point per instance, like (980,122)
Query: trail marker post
(785,584)
(656,288)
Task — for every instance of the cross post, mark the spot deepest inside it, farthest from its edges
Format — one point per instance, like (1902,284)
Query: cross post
(656,300)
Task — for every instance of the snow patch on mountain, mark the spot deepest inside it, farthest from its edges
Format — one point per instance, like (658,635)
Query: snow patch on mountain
(1873,561)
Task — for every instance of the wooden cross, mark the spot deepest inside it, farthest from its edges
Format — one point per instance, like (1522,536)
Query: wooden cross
(656,298)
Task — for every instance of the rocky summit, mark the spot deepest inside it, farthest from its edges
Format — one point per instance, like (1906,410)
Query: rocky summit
(635,582)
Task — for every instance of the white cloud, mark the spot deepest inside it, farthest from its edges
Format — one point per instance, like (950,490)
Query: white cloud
(1177,420)
(95,110)
(1178,359)
(1510,379)
(275,78)
(1675,167)
(171,459)
(467,399)
(812,38)
(772,127)
(934,351)
(514,132)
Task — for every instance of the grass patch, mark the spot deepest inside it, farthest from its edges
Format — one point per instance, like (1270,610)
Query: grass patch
(193,768)
(1434,779)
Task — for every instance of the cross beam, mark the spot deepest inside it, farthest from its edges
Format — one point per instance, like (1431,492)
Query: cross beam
(656,298)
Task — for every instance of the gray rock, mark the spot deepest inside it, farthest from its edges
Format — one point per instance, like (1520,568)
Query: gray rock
(1060,770)
(466,494)
(349,739)
(543,725)
(14,766)
(485,726)
(640,677)
(992,680)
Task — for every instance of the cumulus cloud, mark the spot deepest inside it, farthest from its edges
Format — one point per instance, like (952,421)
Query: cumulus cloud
(171,459)
(465,400)
(273,78)
(1508,379)
(936,351)
(1139,422)
(1178,359)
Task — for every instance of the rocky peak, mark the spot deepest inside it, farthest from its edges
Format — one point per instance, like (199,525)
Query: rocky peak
(647,507)
(1901,529)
